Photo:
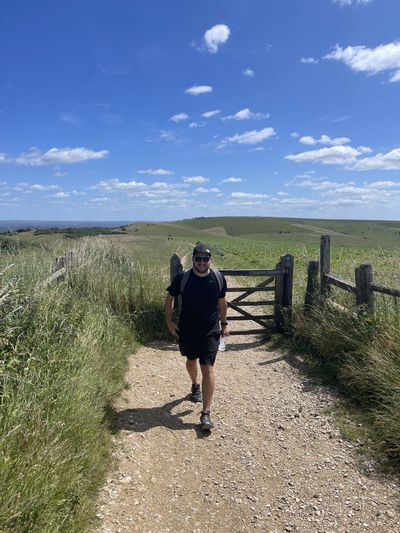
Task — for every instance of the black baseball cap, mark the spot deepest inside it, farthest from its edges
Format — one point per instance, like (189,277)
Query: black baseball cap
(201,248)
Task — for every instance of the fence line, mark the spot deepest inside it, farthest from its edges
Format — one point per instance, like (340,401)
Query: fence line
(363,288)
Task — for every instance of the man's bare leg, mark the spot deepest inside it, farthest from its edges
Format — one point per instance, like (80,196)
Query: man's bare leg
(208,385)
(191,367)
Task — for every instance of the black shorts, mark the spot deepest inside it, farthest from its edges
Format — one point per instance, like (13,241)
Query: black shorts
(202,347)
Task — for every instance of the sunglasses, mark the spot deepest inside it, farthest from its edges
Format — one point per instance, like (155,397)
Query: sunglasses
(198,259)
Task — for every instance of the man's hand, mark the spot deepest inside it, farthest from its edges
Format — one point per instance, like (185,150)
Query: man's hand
(173,328)
(169,308)
(224,331)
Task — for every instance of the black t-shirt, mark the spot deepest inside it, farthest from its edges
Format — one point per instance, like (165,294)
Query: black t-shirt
(199,312)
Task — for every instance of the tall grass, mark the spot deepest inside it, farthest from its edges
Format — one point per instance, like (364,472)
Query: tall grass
(105,273)
(361,355)
(63,355)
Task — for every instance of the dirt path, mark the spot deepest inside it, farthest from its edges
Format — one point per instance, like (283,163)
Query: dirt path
(274,462)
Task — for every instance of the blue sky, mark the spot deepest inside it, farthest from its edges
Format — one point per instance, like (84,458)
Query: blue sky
(162,110)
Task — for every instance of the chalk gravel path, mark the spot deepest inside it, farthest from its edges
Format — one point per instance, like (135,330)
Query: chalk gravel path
(275,461)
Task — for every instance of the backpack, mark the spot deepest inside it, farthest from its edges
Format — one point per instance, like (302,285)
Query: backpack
(216,272)
(186,273)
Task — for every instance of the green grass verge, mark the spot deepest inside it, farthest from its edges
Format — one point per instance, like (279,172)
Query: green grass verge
(63,356)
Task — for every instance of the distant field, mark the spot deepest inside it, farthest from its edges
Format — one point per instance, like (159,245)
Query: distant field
(353,233)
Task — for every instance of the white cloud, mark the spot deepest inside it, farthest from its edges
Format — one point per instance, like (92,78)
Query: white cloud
(248,72)
(248,195)
(209,114)
(346,155)
(343,3)
(179,117)
(232,180)
(240,203)
(335,155)
(116,184)
(368,195)
(195,179)
(249,137)
(324,139)
(99,200)
(295,135)
(24,186)
(160,185)
(58,156)
(156,172)
(199,89)
(395,77)
(382,184)
(388,161)
(197,124)
(215,36)
(385,57)
(309,60)
(202,190)
(245,114)
(38,187)
(315,184)
(61,194)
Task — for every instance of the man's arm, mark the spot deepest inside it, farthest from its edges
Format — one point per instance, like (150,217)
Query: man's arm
(223,309)
(169,308)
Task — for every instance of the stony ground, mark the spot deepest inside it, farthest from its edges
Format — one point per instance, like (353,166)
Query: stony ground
(275,462)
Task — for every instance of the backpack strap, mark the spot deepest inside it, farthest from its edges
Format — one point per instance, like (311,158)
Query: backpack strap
(184,280)
(219,277)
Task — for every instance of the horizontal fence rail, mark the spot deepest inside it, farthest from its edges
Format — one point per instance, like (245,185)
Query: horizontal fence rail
(363,288)
(250,289)
(385,290)
(252,272)
(341,283)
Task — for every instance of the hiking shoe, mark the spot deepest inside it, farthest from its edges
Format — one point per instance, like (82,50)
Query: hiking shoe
(205,420)
(196,395)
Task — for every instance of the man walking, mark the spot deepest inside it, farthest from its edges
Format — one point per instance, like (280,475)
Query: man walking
(203,307)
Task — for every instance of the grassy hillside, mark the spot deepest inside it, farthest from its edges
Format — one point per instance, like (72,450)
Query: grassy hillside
(354,233)
(347,233)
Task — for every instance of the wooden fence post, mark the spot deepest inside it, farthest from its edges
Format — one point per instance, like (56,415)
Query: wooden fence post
(364,275)
(61,262)
(283,289)
(288,263)
(175,267)
(312,285)
(325,261)
(70,258)
(279,296)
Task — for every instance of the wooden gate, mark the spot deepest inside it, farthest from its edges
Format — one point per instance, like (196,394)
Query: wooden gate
(277,290)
